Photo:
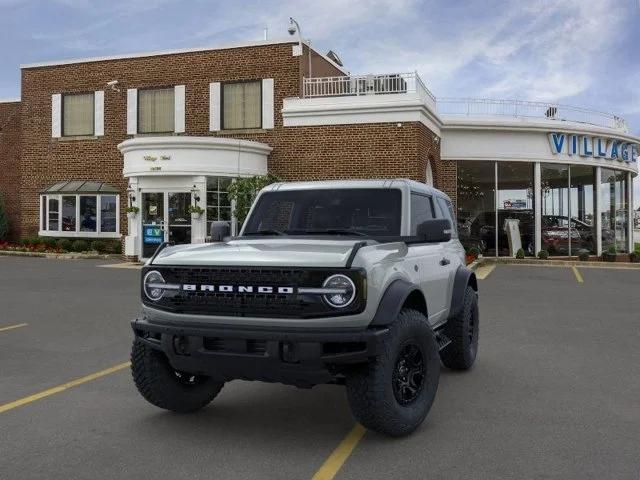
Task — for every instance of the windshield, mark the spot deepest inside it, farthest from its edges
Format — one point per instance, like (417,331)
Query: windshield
(360,211)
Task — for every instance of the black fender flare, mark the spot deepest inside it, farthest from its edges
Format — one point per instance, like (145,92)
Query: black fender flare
(464,277)
(393,300)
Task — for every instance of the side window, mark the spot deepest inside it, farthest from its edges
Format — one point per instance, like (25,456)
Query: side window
(447,212)
(421,210)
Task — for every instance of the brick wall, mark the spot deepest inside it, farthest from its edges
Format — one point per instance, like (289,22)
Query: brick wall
(9,162)
(46,160)
(299,153)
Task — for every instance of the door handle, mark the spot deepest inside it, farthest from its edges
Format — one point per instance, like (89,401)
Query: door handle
(445,261)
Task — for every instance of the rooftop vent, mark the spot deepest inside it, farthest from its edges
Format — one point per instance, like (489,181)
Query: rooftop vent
(334,56)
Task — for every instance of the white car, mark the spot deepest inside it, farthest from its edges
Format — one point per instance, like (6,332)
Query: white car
(359,283)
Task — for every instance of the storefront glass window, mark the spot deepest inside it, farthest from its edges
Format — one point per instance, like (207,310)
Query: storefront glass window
(516,220)
(108,213)
(582,204)
(54,213)
(614,210)
(476,206)
(555,208)
(60,215)
(218,203)
(87,214)
(69,214)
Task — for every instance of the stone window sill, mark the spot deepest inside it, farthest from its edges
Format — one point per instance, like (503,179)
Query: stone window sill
(245,131)
(78,138)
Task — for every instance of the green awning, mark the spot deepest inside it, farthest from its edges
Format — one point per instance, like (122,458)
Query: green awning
(80,186)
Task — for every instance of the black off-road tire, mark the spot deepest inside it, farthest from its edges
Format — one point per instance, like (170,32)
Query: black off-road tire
(162,386)
(463,332)
(372,389)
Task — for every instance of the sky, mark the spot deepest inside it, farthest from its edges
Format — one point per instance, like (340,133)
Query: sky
(576,52)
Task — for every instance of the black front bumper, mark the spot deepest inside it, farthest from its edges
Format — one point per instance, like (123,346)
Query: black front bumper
(296,357)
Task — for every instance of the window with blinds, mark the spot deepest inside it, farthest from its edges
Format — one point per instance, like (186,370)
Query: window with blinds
(78,114)
(156,110)
(242,105)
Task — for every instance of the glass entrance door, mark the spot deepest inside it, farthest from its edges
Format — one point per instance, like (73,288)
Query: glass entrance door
(165,217)
(179,220)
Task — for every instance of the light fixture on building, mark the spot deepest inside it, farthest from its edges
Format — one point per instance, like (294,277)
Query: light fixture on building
(196,194)
(132,194)
(436,139)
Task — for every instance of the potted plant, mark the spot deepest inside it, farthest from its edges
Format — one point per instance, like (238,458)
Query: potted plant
(583,255)
(543,254)
(472,254)
(611,254)
(195,211)
(520,254)
(132,212)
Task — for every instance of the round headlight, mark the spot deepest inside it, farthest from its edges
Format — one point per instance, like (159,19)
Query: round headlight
(152,285)
(345,291)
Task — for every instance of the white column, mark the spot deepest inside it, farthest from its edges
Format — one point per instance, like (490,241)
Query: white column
(537,195)
(214,107)
(199,226)
(630,210)
(132,246)
(598,215)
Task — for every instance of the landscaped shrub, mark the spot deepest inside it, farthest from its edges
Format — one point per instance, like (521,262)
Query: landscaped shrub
(583,255)
(64,244)
(4,221)
(543,254)
(79,246)
(113,246)
(50,242)
(99,246)
(474,251)
(520,253)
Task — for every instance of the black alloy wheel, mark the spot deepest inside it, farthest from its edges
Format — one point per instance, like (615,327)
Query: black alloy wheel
(408,374)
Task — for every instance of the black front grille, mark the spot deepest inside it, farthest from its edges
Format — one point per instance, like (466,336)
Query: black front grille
(234,303)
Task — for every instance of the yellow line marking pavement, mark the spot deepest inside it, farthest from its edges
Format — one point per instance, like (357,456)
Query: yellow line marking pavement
(61,388)
(133,265)
(577,274)
(334,463)
(483,271)
(11,327)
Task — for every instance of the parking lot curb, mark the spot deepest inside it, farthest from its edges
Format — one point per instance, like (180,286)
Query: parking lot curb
(62,256)
(562,263)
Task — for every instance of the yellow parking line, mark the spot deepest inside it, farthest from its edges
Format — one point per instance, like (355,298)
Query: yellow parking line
(61,388)
(11,327)
(483,271)
(577,274)
(132,265)
(332,465)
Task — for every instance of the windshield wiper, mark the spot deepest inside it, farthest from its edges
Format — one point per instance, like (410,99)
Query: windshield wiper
(266,232)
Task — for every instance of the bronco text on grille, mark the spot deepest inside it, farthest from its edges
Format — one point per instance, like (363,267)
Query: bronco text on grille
(293,293)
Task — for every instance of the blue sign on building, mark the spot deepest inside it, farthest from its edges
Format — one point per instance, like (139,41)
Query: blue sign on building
(153,235)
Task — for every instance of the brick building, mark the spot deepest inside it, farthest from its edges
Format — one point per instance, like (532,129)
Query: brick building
(162,131)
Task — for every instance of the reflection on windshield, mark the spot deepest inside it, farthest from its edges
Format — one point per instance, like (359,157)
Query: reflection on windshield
(360,211)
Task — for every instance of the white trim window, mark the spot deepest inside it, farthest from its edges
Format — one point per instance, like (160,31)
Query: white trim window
(77,114)
(80,215)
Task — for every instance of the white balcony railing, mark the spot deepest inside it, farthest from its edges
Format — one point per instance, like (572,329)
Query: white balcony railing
(476,107)
(395,83)
(411,83)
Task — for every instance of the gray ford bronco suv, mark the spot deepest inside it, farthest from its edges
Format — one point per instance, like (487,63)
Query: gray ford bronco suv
(356,283)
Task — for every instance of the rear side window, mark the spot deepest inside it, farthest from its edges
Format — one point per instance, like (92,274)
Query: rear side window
(421,210)
(447,212)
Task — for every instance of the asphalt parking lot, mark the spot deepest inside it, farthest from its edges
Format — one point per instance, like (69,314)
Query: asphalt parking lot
(555,392)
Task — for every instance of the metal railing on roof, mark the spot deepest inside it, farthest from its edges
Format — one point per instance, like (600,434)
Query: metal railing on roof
(477,107)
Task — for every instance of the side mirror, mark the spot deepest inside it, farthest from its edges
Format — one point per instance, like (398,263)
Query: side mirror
(219,230)
(436,230)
